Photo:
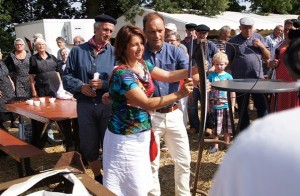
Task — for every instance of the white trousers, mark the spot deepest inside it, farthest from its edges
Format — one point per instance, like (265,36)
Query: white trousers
(183,104)
(170,126)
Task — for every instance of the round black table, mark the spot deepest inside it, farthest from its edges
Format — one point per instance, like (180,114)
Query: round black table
(250,85)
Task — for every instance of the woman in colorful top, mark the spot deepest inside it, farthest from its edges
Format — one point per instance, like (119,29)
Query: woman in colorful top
(126,160)
(218,100)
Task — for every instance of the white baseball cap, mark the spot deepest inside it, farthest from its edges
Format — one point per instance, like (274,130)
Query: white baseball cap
(171,26)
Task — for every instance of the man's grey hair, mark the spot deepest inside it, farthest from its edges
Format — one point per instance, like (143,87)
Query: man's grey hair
(96,26)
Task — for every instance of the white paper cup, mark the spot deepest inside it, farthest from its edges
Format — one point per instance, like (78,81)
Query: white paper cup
(52,100)
(37,103)
(42,99)
(96,76)
(29,102)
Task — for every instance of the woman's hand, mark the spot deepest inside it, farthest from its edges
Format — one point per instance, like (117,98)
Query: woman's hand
(187,88)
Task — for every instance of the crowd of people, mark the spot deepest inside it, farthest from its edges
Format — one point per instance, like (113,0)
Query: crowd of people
(143,87)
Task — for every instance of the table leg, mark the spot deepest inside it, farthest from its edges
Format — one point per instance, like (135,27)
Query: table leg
(27,166)
(241,112)
(44,130)
(20,169)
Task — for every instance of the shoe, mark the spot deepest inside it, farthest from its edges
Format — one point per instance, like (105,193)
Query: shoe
(213,150)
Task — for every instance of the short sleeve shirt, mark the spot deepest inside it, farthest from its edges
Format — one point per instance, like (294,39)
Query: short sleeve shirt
(168,58)
(218,99)
(127,119)
(246,59)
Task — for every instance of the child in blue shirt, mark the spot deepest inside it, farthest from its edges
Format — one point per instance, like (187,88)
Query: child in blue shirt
(218,101)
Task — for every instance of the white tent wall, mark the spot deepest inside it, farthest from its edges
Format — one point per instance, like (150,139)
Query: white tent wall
(214,23)
(53,28)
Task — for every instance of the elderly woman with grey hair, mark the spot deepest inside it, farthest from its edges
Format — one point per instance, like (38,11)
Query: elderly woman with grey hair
(18,65)
(45,81)
(44,75)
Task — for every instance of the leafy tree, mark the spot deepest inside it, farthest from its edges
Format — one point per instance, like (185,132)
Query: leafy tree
(206,7)
(59,9)
(271,6)
(234,6)
(6,37)
(114,8)
(295,8)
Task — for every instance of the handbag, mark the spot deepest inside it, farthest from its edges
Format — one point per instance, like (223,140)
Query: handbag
(210,121)
(153,147)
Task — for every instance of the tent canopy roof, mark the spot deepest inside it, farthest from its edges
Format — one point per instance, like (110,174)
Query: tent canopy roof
(232,19)
(213,22)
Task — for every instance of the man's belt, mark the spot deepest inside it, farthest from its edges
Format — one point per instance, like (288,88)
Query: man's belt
(167,110)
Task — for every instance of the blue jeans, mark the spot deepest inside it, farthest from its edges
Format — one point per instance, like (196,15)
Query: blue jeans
(193,112)
(259,103)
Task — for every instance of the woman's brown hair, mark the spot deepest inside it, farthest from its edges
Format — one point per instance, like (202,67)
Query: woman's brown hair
(123,38)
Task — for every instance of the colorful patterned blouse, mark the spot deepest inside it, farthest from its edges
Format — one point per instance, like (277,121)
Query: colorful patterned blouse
(127,119)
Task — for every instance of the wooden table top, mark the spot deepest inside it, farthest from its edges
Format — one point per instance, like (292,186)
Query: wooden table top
(46,112)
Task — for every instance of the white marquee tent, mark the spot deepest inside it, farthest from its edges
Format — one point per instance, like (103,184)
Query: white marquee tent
(215,23)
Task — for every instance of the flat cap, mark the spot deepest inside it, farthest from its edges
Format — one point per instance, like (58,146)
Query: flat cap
(190,26)
(105,18)
(247,21)
(202,27)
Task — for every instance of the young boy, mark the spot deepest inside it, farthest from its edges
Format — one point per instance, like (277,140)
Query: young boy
(218,100)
